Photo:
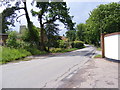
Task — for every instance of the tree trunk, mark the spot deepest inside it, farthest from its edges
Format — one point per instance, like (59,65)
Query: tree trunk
(42,43)
(29,24)
(27,15)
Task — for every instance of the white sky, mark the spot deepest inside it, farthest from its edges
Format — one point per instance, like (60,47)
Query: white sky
(80,9)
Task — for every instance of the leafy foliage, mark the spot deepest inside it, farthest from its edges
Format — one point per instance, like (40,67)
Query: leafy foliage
(78,44)
(15,41)
(12,40)
(61,50)
(80,33)
(35,51)
(48,14)
(32,35)
(71,35)
(104,19)
(10,54)
(63,44)
(52,33)
(8,16)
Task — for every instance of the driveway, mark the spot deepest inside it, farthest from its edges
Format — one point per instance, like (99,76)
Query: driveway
(44,71)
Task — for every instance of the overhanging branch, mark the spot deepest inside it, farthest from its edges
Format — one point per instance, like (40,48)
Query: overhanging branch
(19,17)
(51,20)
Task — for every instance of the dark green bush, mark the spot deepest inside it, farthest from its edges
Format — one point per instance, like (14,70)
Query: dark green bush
(34,50)
(77,44)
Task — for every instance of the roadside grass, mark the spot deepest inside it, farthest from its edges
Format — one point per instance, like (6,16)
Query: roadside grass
(14,55)
(99,49)
(98,56)
(35,51)
(10,54)
(61,50)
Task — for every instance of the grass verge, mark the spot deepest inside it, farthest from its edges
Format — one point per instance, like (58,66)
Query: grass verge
(61,50)
(10,54)
(13,55)
(98,56)
(99,49)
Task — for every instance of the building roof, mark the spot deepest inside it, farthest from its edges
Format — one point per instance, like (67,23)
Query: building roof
(64,38)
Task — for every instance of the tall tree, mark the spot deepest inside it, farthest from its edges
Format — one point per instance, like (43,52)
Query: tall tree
(8,16)
(104,19)
(71,35)
(33,34)
(52,33)
(49,13)
(80,31)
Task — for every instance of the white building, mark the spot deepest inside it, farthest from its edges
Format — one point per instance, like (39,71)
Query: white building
(112,46)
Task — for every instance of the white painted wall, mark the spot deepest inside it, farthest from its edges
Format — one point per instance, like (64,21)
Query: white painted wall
(111,47)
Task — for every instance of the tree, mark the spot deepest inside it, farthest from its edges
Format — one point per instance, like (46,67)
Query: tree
(49,13)
(52,33)
(32,34)
(12,40)
(104,19)
(71,35)
(8,16)
(80,33)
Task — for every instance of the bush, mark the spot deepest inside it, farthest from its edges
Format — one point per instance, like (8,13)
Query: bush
(35,51)
(77,44)
(12,40)
(22,44)
(61,50)
(55,50)
(10,54)
(63,44)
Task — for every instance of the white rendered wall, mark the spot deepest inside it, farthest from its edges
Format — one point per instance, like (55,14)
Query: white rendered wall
(111,47)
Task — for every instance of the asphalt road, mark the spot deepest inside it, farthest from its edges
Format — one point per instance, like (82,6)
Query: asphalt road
(44,72)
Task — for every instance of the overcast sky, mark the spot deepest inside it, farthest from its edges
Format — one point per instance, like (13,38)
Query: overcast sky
(80,9)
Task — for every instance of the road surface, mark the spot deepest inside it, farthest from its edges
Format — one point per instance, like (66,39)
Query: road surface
(44,72)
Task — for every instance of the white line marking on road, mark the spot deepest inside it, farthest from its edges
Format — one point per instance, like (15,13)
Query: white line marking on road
(75,71)
(74,87)
(70,76)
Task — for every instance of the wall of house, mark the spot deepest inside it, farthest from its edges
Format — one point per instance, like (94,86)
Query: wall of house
(111,46)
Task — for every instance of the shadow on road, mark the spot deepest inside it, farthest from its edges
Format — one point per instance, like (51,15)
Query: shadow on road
(87,52)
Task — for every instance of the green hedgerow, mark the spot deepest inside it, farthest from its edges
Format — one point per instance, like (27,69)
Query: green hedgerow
(78,44)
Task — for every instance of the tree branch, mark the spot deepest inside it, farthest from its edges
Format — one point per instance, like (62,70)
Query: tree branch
(18,8)
(19,16)
(51,20)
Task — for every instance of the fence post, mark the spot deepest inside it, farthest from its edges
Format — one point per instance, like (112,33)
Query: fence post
(103,45)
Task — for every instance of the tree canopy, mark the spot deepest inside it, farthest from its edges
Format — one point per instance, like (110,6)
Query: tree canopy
(50,12)
(103,19)
(71,35)
(8,16)
(80,31)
